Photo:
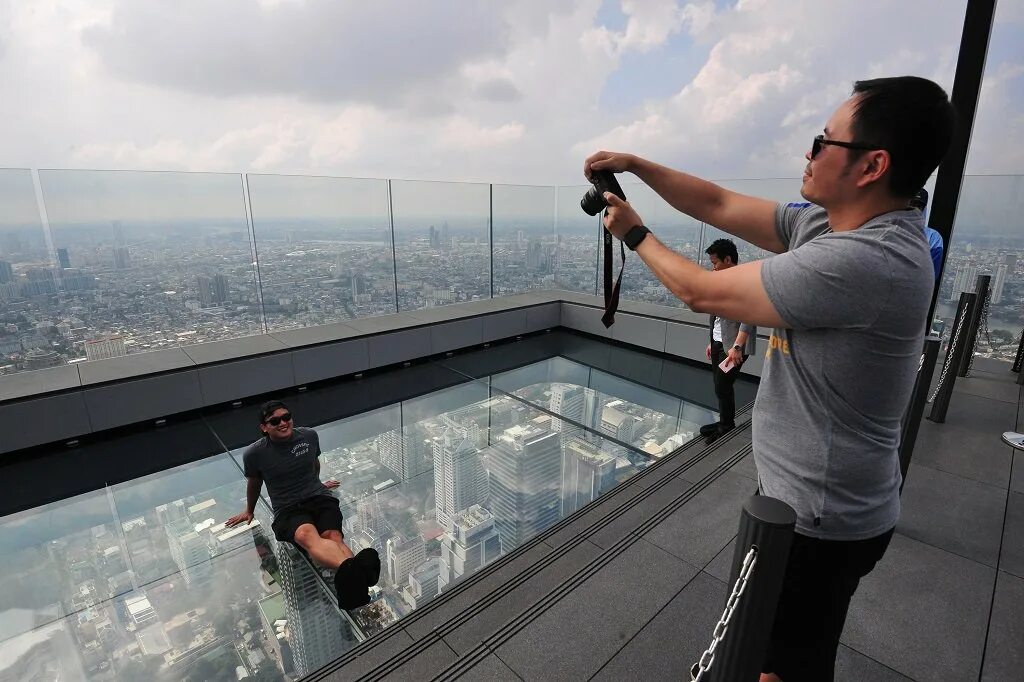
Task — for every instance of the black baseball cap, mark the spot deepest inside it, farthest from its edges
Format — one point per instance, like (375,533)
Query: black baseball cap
(920,200)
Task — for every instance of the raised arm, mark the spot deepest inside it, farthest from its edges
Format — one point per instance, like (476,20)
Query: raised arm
(752,219)
(252,495)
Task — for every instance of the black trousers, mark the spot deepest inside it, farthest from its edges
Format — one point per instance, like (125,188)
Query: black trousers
(724,385)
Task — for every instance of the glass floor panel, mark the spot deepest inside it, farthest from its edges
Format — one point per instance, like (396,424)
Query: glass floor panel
(121,567)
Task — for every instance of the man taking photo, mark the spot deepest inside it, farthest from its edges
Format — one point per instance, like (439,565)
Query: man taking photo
(847,297)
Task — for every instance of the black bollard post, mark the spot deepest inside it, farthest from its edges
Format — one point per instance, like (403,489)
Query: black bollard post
(766,524)
(954,355)
(915,410)
(973,324)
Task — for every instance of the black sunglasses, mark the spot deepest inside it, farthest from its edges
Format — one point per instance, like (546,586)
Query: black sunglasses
(820,141)
(274,421)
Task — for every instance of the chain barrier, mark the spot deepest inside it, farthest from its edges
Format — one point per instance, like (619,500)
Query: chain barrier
(982,327)
(708,657)
(949,358)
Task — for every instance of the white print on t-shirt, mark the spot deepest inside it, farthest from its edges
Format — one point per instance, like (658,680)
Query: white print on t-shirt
(300,449)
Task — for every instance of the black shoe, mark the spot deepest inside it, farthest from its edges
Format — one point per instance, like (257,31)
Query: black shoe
(718,433)
(369,561)
(708,429)
(350,584)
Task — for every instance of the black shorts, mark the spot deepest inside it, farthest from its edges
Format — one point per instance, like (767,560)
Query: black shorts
(821,577)
(323,511)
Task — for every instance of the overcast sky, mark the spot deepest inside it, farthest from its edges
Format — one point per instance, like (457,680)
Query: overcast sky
(515,92)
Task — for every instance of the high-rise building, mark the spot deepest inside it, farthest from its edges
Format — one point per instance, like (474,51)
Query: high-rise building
(403,556)
(964,280)
(190,552)
(370,515)
(587,472)
(1010,261)
(568,402)
(315,633)
(618,424)
(122,258)
(525,466)
(460,480)
(118,232)
(999,284)
(534,254)
(470,542)
(103,348)
(204,291)
(404,451)
(6,272)
(219,289)
(63,259)
(423,583)
(446,239)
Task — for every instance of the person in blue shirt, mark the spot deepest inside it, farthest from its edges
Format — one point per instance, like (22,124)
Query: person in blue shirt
(935,244)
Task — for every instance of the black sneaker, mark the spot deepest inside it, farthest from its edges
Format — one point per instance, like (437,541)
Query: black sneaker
(718,433)
(369,561)
(708,429)
(350,584)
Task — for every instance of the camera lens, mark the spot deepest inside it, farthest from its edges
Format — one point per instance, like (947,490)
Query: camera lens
(593,201)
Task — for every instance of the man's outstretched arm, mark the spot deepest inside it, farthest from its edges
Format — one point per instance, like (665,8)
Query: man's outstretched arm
(252,495)
(752,219)
(735,293)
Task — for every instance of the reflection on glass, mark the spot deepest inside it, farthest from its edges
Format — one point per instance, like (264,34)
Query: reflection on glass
(141,261)
(28,274)
(144,582)
(577,235)
(442,242)
(987,240)
(324,247)
(524,238)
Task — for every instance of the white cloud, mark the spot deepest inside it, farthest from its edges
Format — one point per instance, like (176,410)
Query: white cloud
(467,90)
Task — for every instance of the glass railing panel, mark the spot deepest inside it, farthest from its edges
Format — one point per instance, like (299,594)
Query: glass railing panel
(442,242)
(578,238)
(987,240)
(155,260)
(30,275)
(324,248)
(524,238)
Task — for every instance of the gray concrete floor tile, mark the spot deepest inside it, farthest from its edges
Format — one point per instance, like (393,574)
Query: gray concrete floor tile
(698,530)
(573,638)
(746,467)
(490,669)
(1004,654)
(379,654)
(36,382)
(723,451)
(986,386)
(675,638)
(968,443)
(922,612)
(422,623)
(953,513)
(630,519)
(523,597)
(1017,479)
(852,666)
(1011,557)
(720,566)
(424,666)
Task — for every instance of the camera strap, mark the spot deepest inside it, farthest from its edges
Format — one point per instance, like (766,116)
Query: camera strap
(611,292)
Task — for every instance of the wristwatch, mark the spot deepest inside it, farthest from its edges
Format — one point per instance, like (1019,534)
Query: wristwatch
(634,236)
(737,347)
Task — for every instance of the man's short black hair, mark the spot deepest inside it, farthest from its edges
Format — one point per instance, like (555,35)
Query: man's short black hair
(268,408)
(911,118)
(920,200)
(720,248)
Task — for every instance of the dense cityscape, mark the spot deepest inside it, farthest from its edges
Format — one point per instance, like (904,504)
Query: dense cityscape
(138,590)
(99,291)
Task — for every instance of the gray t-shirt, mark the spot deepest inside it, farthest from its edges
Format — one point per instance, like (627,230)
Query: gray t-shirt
(288,468)
(834,387)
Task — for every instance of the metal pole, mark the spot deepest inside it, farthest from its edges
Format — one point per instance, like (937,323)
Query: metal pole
(912,419)
(979,16)
(973,323)
(954,354)
(1020,353)
(767,524)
